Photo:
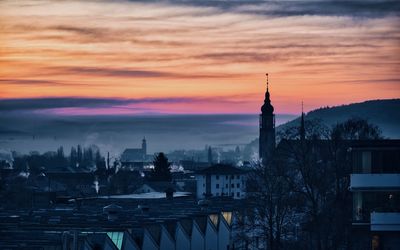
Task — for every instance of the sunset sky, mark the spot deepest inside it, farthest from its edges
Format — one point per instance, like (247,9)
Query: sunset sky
(143,57)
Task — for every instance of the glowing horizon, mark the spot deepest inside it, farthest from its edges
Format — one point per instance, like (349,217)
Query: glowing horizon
(174,57)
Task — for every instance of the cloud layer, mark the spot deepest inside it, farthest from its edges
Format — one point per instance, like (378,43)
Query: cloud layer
(209,55)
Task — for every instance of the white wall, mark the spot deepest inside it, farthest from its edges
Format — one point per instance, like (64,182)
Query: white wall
(222,185)
(200,186)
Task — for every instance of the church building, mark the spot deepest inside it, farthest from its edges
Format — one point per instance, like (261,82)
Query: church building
(135,157)
(267,129)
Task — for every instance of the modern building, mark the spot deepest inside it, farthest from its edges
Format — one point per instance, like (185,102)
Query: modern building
(267,129)
(375,185)
(221,180)
(125,224)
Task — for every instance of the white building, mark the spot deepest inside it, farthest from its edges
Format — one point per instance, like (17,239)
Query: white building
(221,180)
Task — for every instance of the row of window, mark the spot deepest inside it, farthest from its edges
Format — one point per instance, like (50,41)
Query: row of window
(226,194)
(226,185)
(227,177)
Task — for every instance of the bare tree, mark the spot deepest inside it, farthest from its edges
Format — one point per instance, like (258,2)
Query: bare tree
(270,208)
(318,172)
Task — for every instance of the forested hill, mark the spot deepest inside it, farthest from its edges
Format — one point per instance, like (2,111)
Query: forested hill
(383,113)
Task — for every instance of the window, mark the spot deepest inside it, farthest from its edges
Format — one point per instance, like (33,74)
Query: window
(204,185)
(116,238)
(238,177)
(232,194)
(217,177)
(226,177)
(232,177)
(226,185)
(238,185)
(238,194)
(216,185)
(217,194)
(232,185)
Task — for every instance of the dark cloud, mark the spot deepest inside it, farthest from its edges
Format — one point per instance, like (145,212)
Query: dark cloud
(79,30)
(357,8)
(102,71)
(133,73)
(394,81)
(10,81)
(29,104)
(48,103)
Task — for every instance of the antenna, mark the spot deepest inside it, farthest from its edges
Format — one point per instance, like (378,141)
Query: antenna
(302,107)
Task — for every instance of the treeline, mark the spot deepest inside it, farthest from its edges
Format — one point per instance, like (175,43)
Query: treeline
(79,157)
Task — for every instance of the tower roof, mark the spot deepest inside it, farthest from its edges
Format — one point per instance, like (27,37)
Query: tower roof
(267,106)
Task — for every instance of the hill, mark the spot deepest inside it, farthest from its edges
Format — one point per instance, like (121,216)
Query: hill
(383,113)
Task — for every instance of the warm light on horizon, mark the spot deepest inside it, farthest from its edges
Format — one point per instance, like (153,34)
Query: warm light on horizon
(208,60)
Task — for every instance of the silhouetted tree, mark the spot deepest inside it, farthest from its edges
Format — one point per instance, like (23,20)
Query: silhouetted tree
(209,155)
(61,160)
(356,129)
(73,157)
(79,154)
(318,171)
(270,207)
(162,168)
(88,159)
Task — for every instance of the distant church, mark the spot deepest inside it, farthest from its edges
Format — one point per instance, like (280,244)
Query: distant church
(267,129)
(135,157)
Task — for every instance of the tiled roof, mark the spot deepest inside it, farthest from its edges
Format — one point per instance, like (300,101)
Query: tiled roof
(201,222)
(132,154)
(221,169)
(91,218)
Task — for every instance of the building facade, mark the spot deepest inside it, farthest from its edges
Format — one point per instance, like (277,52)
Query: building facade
(221,180)
(375,186)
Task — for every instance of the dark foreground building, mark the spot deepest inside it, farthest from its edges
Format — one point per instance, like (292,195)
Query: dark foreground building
(110,223)
(375,185)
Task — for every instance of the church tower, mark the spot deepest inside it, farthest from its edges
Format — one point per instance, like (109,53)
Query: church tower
(144,147)
(267,129)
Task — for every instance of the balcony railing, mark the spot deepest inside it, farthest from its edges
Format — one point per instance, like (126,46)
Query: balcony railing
(381,221)
(375,182)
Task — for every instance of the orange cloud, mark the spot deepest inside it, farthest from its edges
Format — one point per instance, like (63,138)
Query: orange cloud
(153,50)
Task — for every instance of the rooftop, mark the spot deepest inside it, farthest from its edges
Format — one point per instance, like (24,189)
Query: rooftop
(221,169)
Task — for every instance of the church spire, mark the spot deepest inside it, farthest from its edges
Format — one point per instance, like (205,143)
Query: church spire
(267,108)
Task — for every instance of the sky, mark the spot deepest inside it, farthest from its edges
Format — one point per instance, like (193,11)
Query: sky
(195,57)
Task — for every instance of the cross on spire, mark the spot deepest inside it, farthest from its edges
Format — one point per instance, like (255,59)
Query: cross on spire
(267,81)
